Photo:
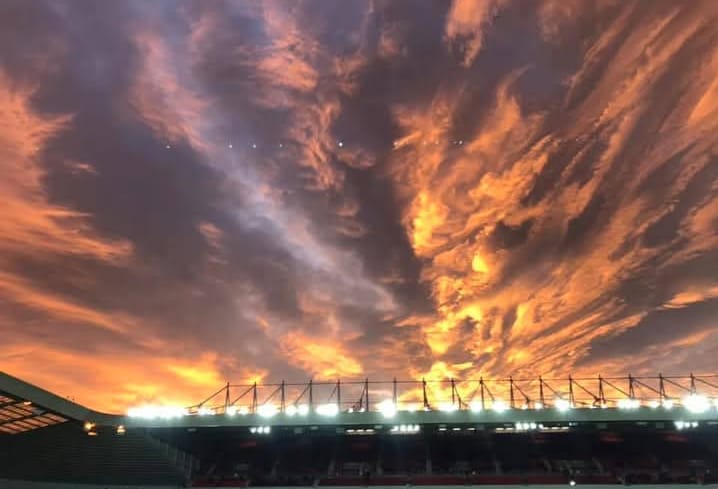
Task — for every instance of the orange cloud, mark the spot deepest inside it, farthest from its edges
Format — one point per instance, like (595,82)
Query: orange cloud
(579,202)
(547,314)
(31,225)
(466,21)
(160,95)
(119,380)
(323,357)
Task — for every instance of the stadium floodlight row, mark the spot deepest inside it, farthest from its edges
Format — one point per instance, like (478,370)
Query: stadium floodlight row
(697,394)
(523,404)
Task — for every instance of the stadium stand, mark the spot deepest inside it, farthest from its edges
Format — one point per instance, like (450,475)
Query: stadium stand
(52,443)
(470,458)
(66,453)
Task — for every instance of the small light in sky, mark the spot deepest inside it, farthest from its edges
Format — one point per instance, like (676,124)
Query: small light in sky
(229,145)
(341,144)
(254,146)
(168,146)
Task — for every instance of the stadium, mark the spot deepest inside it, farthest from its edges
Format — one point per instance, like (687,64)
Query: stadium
(537,432)
(358,243)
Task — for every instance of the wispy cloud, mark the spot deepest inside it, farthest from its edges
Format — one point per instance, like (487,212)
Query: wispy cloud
(363,189)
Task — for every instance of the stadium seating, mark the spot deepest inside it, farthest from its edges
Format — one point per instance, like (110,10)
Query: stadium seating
(66,453)
(482,458)
(328,456)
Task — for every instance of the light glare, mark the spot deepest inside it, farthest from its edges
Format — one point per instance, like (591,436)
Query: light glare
(328,409)
(562,404)
(149,411)
(629,404)
(499,406)
(696,403)
(448,407)
(387,408)
(267,410)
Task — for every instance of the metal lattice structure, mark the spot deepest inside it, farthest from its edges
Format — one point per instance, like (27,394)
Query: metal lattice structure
(454,394)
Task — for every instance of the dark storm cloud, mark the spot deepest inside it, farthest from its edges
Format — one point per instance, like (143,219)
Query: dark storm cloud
(204,191)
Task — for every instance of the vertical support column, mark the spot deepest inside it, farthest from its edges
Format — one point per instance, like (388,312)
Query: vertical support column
(483,394)
(311,396)
(601,394)
(693,385)
(423,390)
(427,454)
(512,399)
(339,394)
(226,397)
(394,393)
(661,388)
(282,398)
(254,398)
(571,397)
(631,392)
(542,400)
(366,393)
(453,392)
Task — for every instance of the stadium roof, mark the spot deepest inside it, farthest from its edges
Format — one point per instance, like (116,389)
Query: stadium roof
(17,415)
(26,407)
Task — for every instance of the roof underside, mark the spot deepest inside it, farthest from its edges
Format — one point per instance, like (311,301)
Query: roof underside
(20,415)
(25,407)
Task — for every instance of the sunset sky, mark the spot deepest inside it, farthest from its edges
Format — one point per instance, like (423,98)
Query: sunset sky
(196,192)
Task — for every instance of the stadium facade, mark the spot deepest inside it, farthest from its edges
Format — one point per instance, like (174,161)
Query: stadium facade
(656,430)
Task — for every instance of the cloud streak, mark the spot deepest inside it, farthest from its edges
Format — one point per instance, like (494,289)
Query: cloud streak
(239,191)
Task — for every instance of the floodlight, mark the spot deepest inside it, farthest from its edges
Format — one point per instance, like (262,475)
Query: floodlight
(267,410)
(475,406)
(696,403)
(562,404)
(328,409)
(499,406)
(448,407)
(387,408)
(629,403)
